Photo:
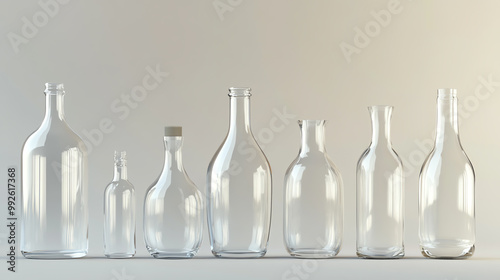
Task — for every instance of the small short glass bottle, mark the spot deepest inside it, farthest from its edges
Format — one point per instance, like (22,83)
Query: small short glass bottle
(380,193)
(446,194)
(313,208)
(119,212)
(173,207)
(54,221)
(239,188)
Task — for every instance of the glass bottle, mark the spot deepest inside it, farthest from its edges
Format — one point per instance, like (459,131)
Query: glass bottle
(313,208)
(54,186)
(173,207)
(380,193)
(239,188)
(446,198)
(119,212)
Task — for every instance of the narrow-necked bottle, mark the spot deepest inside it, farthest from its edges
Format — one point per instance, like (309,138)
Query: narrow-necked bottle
(313,208)
(119,212)
(446,199)
(239,188)
(54,186)
(380,193)
(173,207)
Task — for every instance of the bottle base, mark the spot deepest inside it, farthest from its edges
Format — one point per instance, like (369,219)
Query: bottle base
(119,256)
(239,254)
(380,253)
(173,255)
(54,254)
(312,254)
(457,252)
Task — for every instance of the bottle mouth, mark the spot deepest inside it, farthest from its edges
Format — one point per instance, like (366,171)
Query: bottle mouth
(240,92)
(447,93)
(54,87)
(380,107)
(120,158)
(311,122)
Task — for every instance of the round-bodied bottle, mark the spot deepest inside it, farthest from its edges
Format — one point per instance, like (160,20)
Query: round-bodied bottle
(173,207)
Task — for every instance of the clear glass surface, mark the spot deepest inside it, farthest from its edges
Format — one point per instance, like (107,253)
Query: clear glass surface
(313,209)
(239,188)
(54,220)
(380,193)
(173,209)
(446,199)
(119,212)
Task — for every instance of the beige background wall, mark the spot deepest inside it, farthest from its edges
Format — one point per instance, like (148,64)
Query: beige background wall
(311,59)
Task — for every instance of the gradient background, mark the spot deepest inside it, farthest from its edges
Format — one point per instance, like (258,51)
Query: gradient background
(290,53)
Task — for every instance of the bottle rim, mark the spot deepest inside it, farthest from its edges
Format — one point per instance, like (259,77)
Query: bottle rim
(240,92)
(54,87)
(447,93)
(120,158)
(312,122)
(380,107)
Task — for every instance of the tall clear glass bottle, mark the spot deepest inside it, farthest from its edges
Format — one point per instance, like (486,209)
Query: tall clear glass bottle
(380,193)
(173,207)
(119,212)
(313,208)
(54,220)
(446,198)
(239,188)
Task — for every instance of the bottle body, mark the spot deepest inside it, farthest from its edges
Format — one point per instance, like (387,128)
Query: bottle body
(239,188)
(173,208)
(380,193)
(54,187)
(119,213)
(313,200)
(446,193)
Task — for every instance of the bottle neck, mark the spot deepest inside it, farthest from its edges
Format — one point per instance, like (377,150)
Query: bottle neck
(312,136)
(381,125)
(54,106)
(447,119)
(120,172)
(239,116)
(173,153)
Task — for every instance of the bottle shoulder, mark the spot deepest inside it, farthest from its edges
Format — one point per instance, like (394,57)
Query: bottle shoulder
(446,165)
(233,154)
(312,163)
(376,156)
(173,183)
(445,156)
(121,185)
(60,136)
